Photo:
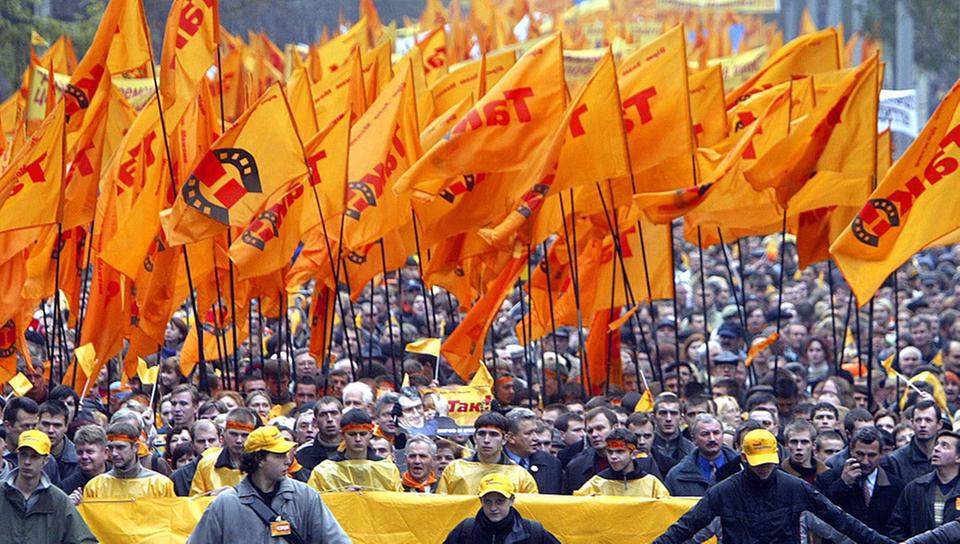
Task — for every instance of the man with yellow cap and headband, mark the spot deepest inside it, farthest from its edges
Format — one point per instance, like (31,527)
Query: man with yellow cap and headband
(623,477)
(128,479)
(356,467)
(31,508)
(498,522)
(764,504)
(267,506)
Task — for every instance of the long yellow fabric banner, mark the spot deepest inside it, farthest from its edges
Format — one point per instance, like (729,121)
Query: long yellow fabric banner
(400,518)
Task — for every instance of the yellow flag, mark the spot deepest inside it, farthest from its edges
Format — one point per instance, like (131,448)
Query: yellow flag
(939,395)
(426,346)
(32,186)
(808,54)
(645,404)
(86,357)
(887,365)
(462,79)
(706,106)
(189,50)
(914,205)
(21,384)
(147,375)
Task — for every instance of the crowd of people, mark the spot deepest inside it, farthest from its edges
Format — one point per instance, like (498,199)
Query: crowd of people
(808,438)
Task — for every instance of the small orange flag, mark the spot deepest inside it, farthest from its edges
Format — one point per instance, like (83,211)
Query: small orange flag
(758,348)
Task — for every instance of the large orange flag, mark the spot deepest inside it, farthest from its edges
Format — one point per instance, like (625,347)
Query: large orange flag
(385,142)
(653,88)
(460,82)
(590,127)
(464,347)
(502,129)
(31,188)
(603,352)
(189,50)
(257,155)
(120,45)
(837,136)
(808,54)
(915,204)
(707,107)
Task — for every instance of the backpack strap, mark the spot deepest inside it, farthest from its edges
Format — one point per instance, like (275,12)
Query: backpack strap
(268,516)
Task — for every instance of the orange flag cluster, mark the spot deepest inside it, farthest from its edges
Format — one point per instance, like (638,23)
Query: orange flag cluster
(459,138)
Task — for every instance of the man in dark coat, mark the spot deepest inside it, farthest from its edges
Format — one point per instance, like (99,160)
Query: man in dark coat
(862,488)
(913,460)
(930,500)
(698,471)
(762,504)
(498,522)
(520,448)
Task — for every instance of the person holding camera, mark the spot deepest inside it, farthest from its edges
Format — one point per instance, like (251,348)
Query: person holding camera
(861,487)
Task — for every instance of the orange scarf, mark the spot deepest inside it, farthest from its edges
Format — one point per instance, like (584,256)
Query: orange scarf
(409,481)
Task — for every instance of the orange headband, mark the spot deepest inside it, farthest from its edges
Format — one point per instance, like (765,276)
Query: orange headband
(490,427)
(620,445)
(121,438)
(241,426)
(357,427)
(504,379)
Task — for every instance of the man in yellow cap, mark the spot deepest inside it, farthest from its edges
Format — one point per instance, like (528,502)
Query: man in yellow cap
(128,479)
(31,509)
(267,505)
(498,521)
(763,504)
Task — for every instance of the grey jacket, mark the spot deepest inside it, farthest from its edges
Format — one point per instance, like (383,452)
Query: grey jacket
(230,519)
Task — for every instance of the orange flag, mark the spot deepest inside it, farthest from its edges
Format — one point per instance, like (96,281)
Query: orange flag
(590,127)
(603,352)
(384,143)
(653,88)
(257,155)
(914,205)
(120,45)
(827,139)
(32,186)
(189,50)
(808,54)
(502,129)
(434,49)
(707,107)
(321,319)
(464,347)
(460,82)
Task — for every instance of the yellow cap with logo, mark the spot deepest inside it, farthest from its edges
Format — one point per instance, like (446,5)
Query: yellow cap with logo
(496,483)
(267,438)
(760,447)
(35,440)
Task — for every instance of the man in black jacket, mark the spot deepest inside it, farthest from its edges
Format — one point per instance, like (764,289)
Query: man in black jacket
(544,468)
(930,500)
(498,522)
(326,416)
(764,504)
(862,488)
(913,459)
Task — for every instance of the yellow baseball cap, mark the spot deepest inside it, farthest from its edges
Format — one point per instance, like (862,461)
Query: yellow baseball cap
(35,440)
(267,438)
(496,483)
(760,447)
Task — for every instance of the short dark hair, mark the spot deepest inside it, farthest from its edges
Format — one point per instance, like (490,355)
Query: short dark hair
(824,436)
(250,461)
(557,406)
(926,404)
(699,400)
(821,406)
(563,422)
(623,434)
(855,415)
(19,404)
(62,392)
(602,411)
(639,418)
(744,428)
(182,449)
(54,408)
(307,379)
(867,435)
(758,398)
(800,426)
(123,428)
(493,419)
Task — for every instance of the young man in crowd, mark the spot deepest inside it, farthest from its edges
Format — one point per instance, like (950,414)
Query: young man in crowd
(498,521)
(53,417)
(799,437)
(669,440)
(357,467)
(219,468)
(463,476)
(326,417)
(127,479)
(204,435)
(623,477)
(931,499)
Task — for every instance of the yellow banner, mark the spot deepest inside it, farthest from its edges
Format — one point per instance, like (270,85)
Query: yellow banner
(737,6)
(137,91)
(465,403)
(740,67)
(400,518)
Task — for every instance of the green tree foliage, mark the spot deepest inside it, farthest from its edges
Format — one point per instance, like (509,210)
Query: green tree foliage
(77,19)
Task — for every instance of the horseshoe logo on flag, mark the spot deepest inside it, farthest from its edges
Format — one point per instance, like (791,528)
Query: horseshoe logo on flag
(212,189)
